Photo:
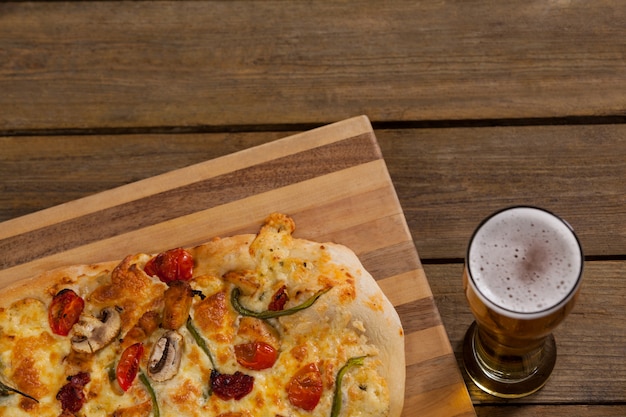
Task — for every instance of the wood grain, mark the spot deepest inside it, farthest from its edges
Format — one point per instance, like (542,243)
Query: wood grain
(447,180)
(38,172)
(185,199)
(99,95)
(332,180)
(87,65)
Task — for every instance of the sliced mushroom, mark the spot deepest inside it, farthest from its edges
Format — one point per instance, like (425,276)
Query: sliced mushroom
(90,334)
(165,356)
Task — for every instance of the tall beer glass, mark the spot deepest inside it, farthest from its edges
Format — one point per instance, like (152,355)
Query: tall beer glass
(522,274)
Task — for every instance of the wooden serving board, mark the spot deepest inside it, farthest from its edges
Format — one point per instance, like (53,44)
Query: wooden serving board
(333,181)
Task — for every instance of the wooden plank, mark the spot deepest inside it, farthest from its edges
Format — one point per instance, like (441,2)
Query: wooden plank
(129,208)
(83,65)
(332,180)
(38,172)
(447,180)
(46,248)
(434,401)
(590,367)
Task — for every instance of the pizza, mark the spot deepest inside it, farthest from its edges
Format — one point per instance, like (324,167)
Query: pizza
(262,324)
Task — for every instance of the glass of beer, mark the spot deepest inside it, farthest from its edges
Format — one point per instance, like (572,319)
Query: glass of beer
(522,275)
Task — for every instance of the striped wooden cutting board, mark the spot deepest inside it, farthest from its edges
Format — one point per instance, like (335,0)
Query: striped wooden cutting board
(332,180)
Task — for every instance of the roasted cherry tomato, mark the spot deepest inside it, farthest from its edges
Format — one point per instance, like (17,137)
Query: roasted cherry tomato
(305,387)
(171,265)
(64,311)
(256,355)
(279,299)
(128,366)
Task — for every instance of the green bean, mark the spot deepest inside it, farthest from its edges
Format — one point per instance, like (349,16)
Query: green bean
(155,404)
(356,361)
(270,314)
(200,341)
(6,390)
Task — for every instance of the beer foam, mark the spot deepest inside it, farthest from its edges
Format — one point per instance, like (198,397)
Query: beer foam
(525,260)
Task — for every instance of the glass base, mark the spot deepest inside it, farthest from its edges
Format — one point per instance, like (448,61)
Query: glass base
(497,384)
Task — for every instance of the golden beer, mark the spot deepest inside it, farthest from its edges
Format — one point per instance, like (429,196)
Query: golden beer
(522,275)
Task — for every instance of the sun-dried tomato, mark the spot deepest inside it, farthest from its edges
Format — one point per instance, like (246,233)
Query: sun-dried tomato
(229,386)
(71,395)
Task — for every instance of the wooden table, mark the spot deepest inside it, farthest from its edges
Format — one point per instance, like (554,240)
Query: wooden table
(475,105)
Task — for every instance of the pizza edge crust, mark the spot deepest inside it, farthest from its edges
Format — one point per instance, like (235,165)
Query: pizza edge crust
(38,285)
(382,324)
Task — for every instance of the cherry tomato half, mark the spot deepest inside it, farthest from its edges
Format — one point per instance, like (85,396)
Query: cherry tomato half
(128,366)
(64,311)
(171,265)
(256,355)
(305,387)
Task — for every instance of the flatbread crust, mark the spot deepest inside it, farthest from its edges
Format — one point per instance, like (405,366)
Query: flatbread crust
(359,297)
(383,327)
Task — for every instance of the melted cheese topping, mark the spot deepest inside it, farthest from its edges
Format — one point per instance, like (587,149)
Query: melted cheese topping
(325,333)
